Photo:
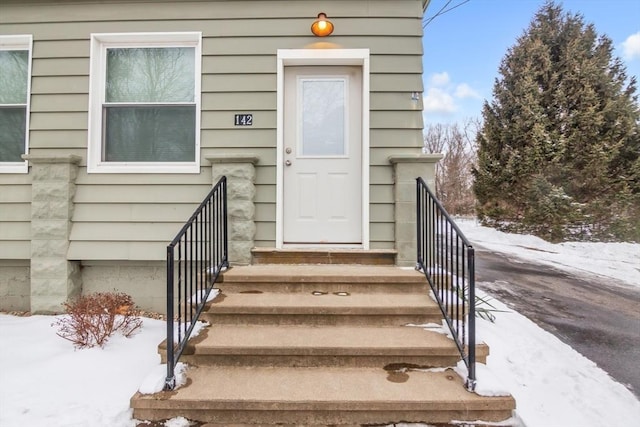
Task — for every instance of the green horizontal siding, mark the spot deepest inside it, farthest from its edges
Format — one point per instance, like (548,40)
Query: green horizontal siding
(15,249)
(91,10)
(15,216)
(62,85)
(248,137)
(59,121)
(203,179)
(393,101)
(50,103)
(133,193)
(61,67)
(132,212)
(59,139)
(124,250)
(241,27)
(126,231)
(15,212)
(381,212)
(240,40)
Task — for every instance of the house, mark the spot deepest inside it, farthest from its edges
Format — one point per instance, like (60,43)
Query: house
(116,118)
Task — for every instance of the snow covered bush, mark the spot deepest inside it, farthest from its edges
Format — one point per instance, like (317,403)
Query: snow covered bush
(91,319)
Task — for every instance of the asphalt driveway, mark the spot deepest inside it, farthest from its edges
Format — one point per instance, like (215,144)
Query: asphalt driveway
(600,318)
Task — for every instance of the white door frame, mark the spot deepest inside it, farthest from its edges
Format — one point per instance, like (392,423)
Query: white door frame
(297,57)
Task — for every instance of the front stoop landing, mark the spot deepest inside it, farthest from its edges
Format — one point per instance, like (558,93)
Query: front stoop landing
(313,345)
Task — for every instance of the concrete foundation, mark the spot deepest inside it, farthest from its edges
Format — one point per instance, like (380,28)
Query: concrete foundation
(145,281)
(14,285)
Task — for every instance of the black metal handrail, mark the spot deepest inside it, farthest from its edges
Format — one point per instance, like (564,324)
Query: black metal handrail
(447,259)
(195,258)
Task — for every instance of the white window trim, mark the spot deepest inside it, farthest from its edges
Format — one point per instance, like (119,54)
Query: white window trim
(99,44)
(20,42)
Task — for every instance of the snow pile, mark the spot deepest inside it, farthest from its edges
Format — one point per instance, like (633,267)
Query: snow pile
(155,380)
(197,329)
(619,261)
(178,422)
(487,384)
(198,296)
(553,384)
(46,382)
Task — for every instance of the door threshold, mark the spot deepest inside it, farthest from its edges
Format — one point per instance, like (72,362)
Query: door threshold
(325,255)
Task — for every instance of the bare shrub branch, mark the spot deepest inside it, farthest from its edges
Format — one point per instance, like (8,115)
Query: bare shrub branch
(92,319)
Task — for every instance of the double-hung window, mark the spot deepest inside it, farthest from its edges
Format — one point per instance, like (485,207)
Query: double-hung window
(15,72)
(145,103)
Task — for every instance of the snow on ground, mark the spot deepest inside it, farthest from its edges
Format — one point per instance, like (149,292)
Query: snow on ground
(46,382)
(619,261)
(553,384)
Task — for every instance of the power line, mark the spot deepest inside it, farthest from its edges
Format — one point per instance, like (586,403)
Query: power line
(442,11)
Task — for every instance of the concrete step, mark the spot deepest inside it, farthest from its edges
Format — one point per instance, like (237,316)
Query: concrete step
(267,308)
(319,345)
(314,346)
(313,396)
(323,278)
(320,256)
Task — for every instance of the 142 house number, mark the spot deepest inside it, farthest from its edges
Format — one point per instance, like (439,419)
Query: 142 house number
(243,120)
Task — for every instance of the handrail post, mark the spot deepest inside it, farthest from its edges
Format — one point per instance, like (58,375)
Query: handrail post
(224,222)
(471,380)
(170,381)
(418,225)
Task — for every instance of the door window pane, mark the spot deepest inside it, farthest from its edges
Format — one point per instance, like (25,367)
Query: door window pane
(150,134)
(323,117)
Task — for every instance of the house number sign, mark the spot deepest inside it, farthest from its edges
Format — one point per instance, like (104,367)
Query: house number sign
(243,120)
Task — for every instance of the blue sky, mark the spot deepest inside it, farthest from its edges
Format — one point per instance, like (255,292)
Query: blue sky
(463,47)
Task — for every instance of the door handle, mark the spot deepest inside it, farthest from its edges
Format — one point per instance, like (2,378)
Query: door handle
(287,163)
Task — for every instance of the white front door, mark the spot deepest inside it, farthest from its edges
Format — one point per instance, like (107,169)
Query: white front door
(322,155)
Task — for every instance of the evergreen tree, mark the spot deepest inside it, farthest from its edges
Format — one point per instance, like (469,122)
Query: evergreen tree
(559,151)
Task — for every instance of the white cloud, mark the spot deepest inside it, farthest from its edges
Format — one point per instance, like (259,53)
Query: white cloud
(439,79)
(463,90)
(631,46)
(438,101)
(445,99)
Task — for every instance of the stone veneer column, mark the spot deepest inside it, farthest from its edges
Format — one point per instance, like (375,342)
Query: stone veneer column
(241,175)
(406,168)
(54,279)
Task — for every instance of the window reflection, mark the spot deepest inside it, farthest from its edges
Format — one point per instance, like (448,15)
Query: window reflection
(137,126)
(160,133)
(150,75)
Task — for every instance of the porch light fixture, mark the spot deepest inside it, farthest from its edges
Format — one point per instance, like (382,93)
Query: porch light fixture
(322,27)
